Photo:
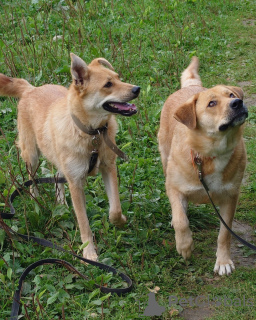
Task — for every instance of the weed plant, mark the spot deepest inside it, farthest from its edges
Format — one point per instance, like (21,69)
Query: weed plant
(149,43)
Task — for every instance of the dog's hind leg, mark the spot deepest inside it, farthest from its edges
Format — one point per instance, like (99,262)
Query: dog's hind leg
(30,154)
(27,143)
(109,176)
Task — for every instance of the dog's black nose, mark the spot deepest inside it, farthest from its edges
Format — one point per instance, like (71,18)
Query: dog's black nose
(136,90)
(236,104)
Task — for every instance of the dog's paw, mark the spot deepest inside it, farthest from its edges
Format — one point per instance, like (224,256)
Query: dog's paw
(90,253)
(224,267)
(118,222)
(185,244)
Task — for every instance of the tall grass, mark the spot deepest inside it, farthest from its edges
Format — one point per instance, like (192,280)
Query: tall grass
(149,43)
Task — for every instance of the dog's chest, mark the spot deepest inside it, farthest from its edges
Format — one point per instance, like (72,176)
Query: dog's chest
(192,188)
(85,156)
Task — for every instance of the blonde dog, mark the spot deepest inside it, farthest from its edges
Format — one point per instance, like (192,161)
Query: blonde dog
(207,124)
(71,127)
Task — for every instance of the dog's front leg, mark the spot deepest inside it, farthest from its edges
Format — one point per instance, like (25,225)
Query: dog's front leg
(109,176)
(78,199)
(224,265)
(180,223)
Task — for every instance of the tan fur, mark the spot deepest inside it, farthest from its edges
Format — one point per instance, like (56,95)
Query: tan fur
(190,76)
(45,126)
(189,126)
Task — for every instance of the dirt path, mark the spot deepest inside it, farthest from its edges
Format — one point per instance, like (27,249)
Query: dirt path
(240,260)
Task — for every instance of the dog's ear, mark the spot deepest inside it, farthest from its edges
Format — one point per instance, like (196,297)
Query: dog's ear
(237,91)
(79,70)
(103,62)
(186,113)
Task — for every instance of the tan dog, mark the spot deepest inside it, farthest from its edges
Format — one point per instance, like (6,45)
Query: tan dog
(46,126)
(206,123)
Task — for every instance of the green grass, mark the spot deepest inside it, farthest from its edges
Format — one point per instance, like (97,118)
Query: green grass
(149,43)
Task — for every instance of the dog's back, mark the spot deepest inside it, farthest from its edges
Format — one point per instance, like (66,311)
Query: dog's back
(190,84)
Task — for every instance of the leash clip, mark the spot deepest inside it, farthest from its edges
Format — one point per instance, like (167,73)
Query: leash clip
(199,162)
(96,142)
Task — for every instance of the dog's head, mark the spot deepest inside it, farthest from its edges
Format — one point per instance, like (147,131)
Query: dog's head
(214,110)
(101,88)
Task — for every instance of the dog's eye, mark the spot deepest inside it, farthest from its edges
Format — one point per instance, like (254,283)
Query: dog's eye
(232,95)
(212,104)
(108,84)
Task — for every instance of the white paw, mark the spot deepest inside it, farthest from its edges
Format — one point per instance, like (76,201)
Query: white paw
(224,267)
(90,253)
(184,244)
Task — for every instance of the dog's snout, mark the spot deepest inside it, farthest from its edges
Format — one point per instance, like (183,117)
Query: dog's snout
(236,104)
(136,90)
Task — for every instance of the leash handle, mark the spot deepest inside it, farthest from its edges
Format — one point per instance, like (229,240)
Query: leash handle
(49,244)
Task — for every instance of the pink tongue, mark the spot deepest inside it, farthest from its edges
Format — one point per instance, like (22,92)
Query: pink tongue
(124,106)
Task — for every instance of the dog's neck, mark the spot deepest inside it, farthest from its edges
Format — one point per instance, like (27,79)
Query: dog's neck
(200,156)
(89,117)
(212,147)
(90,121)
(88,129)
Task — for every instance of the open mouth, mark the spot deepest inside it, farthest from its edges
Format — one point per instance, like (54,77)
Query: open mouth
(238,120)
(125,109)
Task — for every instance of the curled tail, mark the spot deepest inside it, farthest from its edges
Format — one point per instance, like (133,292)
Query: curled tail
(190,76)
(12,87)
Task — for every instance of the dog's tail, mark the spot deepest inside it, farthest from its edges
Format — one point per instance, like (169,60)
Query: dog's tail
(190,76)
(12,87)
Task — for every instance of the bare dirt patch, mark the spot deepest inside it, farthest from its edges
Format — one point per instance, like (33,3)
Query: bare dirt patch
(251,99)
(249,22)
(239,258)
(197,314)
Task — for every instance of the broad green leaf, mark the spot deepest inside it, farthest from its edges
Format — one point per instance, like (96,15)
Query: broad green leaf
(84,245)
(53,298)
(2,277)
(9,273)
(41,293)
(93,294)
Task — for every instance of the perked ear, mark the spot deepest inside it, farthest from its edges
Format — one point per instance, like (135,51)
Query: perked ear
(186,113)
(79,70)
(103,62)
(238,91)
